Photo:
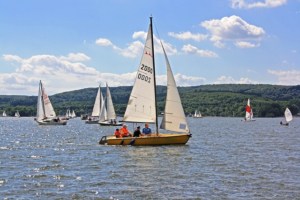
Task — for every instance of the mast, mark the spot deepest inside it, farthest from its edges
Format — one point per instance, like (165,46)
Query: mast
(153,60)
(42,99)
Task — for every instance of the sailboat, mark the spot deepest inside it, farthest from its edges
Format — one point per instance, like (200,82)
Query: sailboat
(98,105)
(111,118)
(288,117)
(17,114)
(68,114)
(249,112)
(197,114)
(45,113)
(142,108)
(73,115)
(4,114)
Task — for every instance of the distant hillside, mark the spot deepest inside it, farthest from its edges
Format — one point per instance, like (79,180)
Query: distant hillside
(211,100)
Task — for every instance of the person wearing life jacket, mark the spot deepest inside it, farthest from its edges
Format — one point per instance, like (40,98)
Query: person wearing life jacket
(125,132)
(117,133)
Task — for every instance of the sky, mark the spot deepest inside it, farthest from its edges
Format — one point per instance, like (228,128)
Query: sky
(76,44)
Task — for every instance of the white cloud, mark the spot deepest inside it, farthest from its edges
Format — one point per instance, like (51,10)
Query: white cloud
(243,44)
(181,80)
(66,73)
(104,42)
(257,4)
(286,77)
(188,36)
(190,49)
(230,80)
(76,57)
(14,58)
(232,28)
(135,48)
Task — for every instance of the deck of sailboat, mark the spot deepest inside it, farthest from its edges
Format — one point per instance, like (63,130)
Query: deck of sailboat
(154,139)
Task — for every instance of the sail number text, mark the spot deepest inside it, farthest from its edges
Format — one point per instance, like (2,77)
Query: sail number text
(144,78)
(146,68)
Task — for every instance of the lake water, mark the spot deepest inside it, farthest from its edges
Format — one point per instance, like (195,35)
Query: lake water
(225,159)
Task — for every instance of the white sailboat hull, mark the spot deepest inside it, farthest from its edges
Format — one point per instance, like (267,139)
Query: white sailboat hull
(52,122)
(107,123)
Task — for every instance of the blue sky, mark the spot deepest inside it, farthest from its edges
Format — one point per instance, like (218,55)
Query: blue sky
(75,44)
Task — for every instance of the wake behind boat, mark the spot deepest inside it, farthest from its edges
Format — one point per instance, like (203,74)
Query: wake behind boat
(45,112)
(142,106)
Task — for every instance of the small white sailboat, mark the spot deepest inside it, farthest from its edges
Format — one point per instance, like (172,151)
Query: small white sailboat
(17,114)
(288,117)
(111,118)
(45,113)
(68,114)
(97,109)
(73,115)
(197,114)
(4,114)
(249,112)
(142,108)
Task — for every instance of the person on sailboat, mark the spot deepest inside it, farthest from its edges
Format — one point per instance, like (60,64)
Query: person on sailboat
(137,132)
(125,132)
(147,130)
(117,133)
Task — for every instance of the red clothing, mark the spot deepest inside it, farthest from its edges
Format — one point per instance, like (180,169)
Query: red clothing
(124,131)
(118,134)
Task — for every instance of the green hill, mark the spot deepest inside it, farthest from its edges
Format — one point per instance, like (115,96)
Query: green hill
(211,100)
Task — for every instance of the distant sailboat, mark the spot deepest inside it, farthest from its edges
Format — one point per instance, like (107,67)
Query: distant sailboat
(249,112)
(97,109)
(197,114)
(111,118)
(17,114)
(4,114)
(73,115)
(68,114)
(288,117)
(142,108)
(45,112)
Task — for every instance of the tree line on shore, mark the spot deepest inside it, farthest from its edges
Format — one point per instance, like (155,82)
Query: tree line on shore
(227,100)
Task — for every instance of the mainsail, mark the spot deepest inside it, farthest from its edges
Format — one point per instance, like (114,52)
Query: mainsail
(288,115)
(111,114)
(98,104)
(141,104)
(44,106)
(174,117)
(249,113)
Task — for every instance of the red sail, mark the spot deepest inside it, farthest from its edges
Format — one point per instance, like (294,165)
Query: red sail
(248,109)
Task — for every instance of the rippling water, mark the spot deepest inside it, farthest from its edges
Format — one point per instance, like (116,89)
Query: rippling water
(225,159)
